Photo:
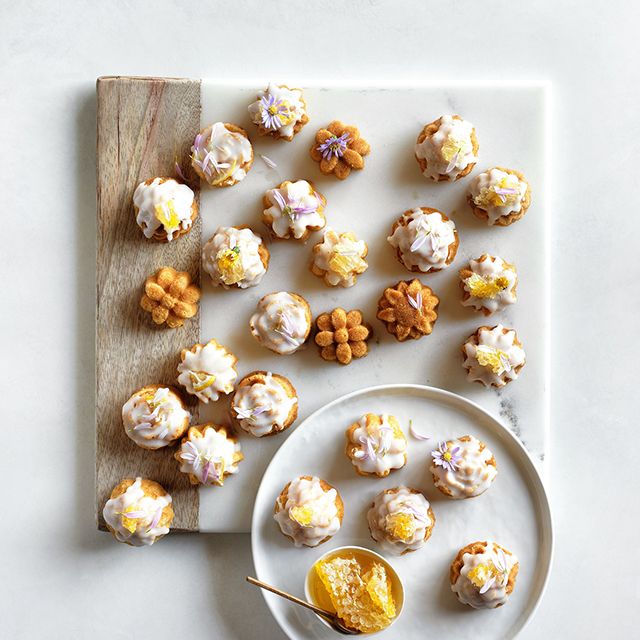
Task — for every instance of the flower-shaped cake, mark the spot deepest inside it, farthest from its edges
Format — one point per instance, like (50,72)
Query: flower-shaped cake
(409,310)
(170,297)
(339,148)
(342,335)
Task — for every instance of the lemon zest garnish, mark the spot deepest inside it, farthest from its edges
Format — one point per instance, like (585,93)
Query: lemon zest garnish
(345,261)
(201,380)
(492,358)
(400,525)
(480,574)
(167,216)
(451,147)
(230,265)
(302,515)
(480,287)
(226,175)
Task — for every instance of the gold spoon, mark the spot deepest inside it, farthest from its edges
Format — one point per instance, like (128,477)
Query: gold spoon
(333,620)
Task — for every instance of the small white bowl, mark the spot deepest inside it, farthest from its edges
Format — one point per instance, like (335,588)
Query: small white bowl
(396,582)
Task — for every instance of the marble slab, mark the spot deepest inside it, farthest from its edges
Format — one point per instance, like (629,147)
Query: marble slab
(511,128)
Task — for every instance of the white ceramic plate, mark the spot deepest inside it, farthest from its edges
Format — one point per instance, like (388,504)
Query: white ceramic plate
(513,512)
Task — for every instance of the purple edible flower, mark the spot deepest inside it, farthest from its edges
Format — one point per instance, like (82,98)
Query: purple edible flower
(504,191)
(205,471)
(291,207)
(416,302)
(334,146)
(446,459)
(453,161)
(416,434)
(269,162)
(156,519)
(134,515)
(274,111)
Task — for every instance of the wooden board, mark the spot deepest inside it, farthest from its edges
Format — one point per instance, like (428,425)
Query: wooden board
(145,125)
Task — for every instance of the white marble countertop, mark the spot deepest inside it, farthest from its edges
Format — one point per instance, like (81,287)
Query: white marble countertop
(64,579)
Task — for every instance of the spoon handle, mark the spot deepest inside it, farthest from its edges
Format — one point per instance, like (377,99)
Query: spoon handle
(263,585)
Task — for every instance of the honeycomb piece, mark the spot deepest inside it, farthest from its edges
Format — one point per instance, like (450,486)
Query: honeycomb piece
(379,589)
(351,595)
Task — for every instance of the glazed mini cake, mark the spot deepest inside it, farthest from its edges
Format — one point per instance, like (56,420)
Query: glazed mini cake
(264,404)
(309,511)
(207,371)
(235,257)
(339,149)
(222,154)
(165,209)
(138,512)
(488,284)
(408,310)
(282,322)
(208,454)
(447,148)
(425,240)
(483,575)
(499,196)
(293,210)
(155,416)
(493,356)
(339,258)
(463,467)
(400,520)
(279,111)
(376,445)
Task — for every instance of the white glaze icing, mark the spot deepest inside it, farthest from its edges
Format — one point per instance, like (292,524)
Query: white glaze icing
(211,457)
(324,519)
(326,257)
(488,270)
(496,594)
(295,209)
(262,408)
(403,502)
(449,151)
(424,240)
(379,450)
(473,474)
(159,202)
(246,242)
(197,369)
(281,323)
(154,423)
(494,342)
(484,186)
(292,109)
(146,511)
(222,153)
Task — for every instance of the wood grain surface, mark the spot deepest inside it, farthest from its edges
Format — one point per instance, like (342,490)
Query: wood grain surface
(145,125)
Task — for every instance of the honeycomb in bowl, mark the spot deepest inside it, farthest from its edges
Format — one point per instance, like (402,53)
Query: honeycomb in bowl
(362,599)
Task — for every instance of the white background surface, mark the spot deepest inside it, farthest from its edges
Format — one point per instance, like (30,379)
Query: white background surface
(368,204)
(62,579)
